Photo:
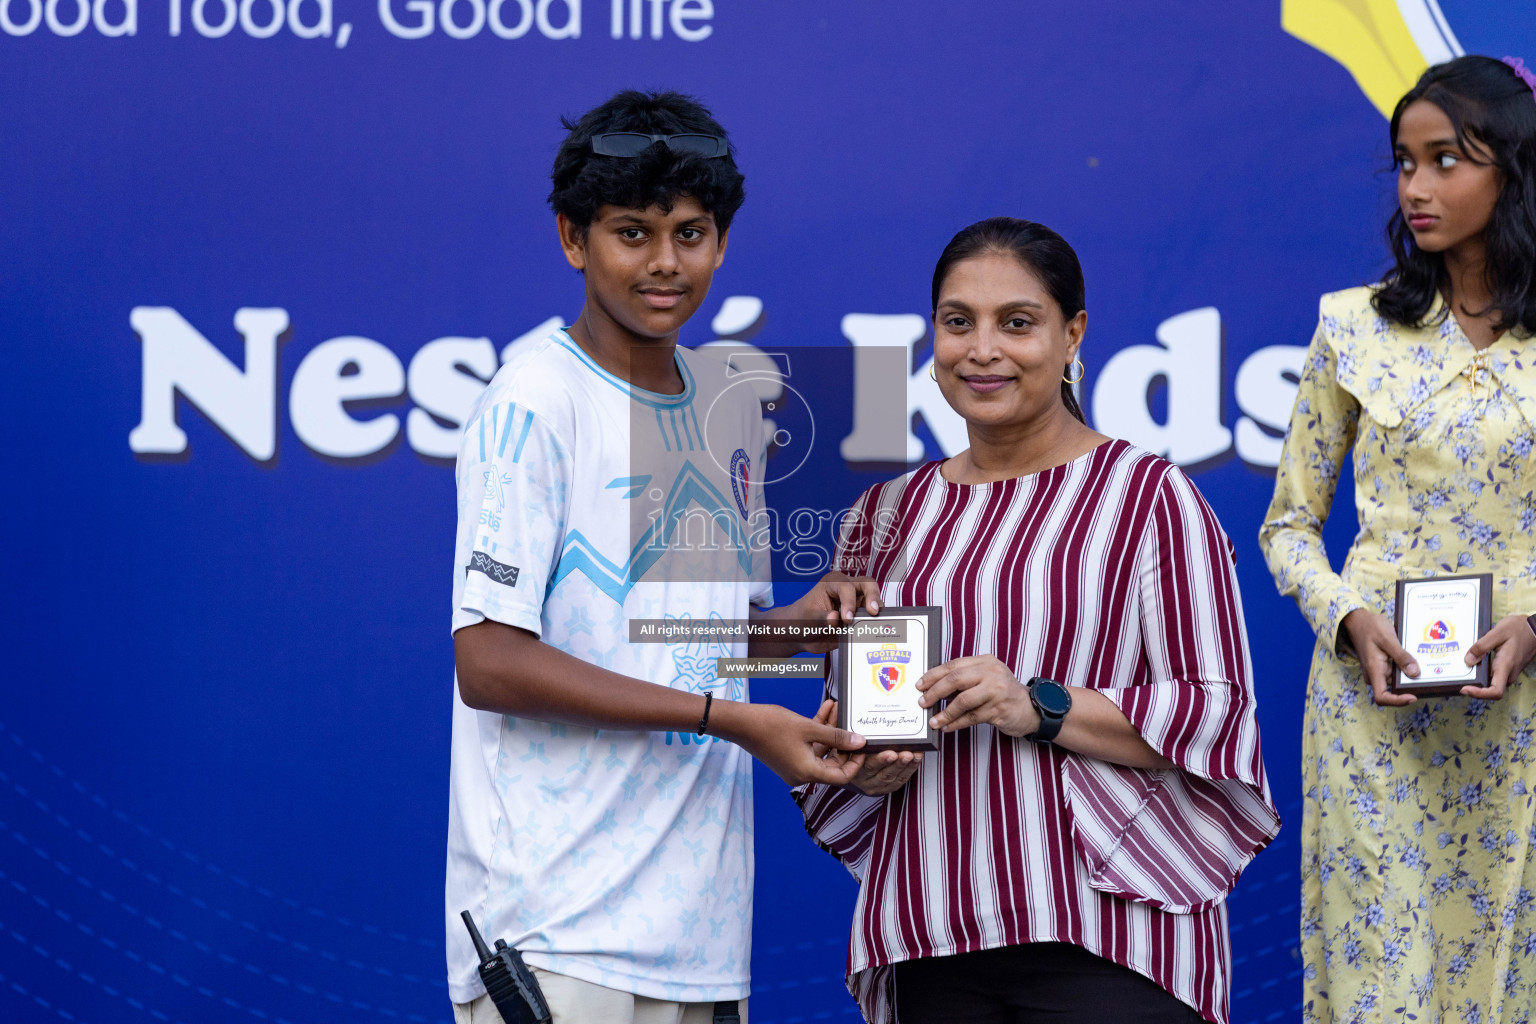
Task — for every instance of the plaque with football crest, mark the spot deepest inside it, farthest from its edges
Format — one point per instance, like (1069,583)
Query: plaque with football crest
(1437,619)
(878,666)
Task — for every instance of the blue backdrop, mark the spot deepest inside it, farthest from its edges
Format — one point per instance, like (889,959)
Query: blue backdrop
(227,665)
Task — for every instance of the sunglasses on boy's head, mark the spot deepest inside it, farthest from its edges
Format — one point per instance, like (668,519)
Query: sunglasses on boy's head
(635,143)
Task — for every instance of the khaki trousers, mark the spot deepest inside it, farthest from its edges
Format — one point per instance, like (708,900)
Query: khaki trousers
(572,1001)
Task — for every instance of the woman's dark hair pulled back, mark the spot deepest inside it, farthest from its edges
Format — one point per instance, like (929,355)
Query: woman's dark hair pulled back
(1494,114)
(1043,253)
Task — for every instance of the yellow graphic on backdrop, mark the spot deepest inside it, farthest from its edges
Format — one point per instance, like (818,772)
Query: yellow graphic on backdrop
(1385,44)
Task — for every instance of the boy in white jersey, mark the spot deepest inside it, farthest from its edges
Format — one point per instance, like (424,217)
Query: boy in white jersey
(600,809)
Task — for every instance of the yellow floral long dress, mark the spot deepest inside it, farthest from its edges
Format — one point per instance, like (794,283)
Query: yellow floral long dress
(1418,871)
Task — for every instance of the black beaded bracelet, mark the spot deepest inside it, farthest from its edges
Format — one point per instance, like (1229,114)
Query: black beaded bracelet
(1531,621)
(709,698)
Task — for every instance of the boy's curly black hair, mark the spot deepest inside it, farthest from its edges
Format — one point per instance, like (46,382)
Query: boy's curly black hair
(584,181)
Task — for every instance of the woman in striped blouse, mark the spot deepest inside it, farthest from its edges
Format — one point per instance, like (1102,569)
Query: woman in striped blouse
(1039,867)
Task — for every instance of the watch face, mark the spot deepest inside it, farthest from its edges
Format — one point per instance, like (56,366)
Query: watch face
(1052,698)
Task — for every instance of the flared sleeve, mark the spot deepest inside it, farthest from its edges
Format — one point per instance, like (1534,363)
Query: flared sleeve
(1322,431)
(1178,838)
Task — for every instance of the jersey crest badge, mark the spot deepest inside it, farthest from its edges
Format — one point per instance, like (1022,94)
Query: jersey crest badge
(741,472)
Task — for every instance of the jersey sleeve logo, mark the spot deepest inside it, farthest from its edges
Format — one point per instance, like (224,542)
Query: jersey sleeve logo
(481,562)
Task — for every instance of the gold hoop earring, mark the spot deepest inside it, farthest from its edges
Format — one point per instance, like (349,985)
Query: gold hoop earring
(1081,369)
(932,372)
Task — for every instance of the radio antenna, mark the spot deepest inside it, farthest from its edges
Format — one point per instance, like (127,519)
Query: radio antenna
(481,949)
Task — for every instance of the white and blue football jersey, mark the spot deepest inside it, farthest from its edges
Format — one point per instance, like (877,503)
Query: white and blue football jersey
(620,858)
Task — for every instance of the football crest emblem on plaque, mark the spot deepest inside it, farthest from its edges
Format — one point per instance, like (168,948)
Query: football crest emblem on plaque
(888,667)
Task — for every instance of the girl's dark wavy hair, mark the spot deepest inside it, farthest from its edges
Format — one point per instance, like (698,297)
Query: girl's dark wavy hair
(1043,253)
(584,181)
(1494,114)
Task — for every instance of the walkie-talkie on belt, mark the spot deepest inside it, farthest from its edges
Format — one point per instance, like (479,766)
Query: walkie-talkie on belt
(511,985)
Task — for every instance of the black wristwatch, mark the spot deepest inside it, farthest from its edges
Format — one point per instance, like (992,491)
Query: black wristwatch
(1052,702)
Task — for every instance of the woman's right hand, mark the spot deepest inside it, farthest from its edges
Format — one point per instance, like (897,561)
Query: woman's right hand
(886,772)
(1376,644)
(879,774)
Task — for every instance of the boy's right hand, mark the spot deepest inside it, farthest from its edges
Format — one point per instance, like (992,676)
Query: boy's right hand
(792,745)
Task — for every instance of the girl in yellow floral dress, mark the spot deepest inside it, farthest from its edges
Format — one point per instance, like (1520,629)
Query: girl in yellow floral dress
(1419,827)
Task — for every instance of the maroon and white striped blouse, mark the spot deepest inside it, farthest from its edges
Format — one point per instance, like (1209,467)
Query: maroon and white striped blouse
(1108,572)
